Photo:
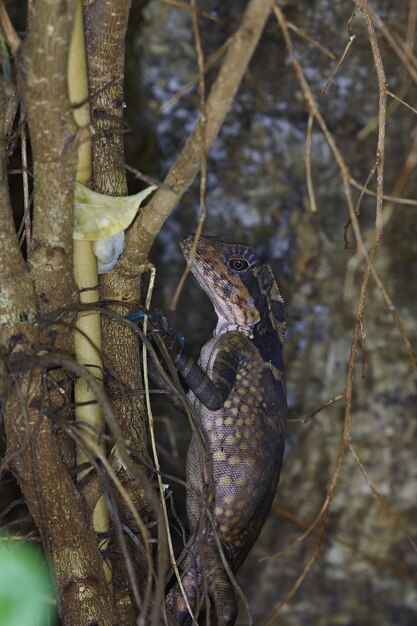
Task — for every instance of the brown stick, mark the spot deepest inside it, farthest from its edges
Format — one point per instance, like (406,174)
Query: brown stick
(7,27)
(184,170)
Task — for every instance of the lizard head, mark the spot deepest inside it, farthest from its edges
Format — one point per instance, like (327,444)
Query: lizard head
(232,276)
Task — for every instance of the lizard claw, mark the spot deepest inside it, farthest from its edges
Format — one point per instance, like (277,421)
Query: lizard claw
(163,328)
(135,315)
(160,323)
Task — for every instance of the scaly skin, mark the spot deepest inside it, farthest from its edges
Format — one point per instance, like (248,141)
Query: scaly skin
(237,391)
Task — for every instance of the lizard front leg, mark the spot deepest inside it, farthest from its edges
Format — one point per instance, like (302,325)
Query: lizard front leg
(211,393)
(204,565)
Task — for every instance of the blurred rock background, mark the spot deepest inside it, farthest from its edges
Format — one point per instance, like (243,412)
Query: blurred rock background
(366,572)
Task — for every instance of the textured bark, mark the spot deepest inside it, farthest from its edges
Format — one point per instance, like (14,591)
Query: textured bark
(57,508)
(33,453)
(43,80)
(105,25)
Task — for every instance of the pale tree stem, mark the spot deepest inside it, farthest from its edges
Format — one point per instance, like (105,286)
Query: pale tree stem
(87,336)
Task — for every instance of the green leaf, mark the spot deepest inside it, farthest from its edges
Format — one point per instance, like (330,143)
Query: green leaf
(26,592)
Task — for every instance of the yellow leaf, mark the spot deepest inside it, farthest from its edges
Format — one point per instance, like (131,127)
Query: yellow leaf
(97,216)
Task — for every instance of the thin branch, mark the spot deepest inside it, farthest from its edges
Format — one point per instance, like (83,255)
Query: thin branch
(187,269)
(358,205)
(383,503)
(310,416)
(393,199)
(308,565)
(193,9)
(203,154)
(408,106)
(352,545)
(182,173)
(149,180)
(8,29)
(203,112)
(26,195)
(211,60)
(338,64)
(303,35)
(309,177)
(403,53)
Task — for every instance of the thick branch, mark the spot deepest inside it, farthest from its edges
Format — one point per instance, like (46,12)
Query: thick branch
(105,27)
(58,509)
(43,78)
(33,453)
(183,172)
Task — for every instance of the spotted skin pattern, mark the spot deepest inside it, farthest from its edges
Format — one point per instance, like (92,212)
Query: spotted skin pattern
(237,391)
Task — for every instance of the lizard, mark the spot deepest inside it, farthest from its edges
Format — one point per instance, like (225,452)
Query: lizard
(238,394)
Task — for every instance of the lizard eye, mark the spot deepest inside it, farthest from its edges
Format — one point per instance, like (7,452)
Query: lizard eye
(239,265)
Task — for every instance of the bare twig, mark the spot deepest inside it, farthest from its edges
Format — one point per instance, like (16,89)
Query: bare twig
(408,106)
(393,199)
(403,53)
(309,177)
(193,9)
(149,180)
(184,170)
(307,418)
(358,205)
(203,153)
(26,196)
(383,503)
(308,565)
(203,112)
(352,545)
(8,29)
(303,35)
(338,64)
(187,269)
(211,60)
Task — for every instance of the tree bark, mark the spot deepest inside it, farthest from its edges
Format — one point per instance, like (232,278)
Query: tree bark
(57,508)
(105,27)
(33,453)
